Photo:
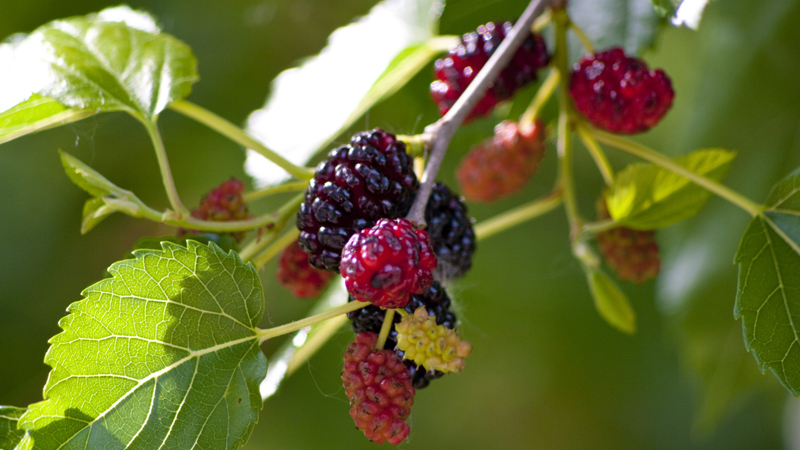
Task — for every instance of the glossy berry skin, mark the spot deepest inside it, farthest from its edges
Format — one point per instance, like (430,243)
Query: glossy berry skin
(619,93)
(388,263)
(434,300)
(296,274)
(503,164)
(461,65)
(632,254)
(223,204)
(378,385)
(370,179)
(451,233)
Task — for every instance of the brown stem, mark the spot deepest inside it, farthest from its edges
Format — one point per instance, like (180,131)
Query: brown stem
(444,129)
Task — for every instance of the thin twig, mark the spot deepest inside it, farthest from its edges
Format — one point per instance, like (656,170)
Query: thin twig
(444,129)
(518,215)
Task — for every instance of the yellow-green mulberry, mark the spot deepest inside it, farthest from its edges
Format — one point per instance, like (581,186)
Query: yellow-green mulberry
(433,346)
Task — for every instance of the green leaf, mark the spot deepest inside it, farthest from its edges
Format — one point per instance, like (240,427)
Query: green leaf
(163,355)
(10,435)
(224,241)
(36,114)
(784,208)
(87,178)
(610,302)
(768,301)
(645,196)
(108,197)
(631,24)
(666,8)
(374,42)
(768,298)
(681,12)
(402,68)
(117,60)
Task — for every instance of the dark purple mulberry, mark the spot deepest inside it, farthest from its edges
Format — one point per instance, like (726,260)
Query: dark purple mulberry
(370,179)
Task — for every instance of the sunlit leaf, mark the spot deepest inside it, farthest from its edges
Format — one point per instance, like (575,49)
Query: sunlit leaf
(10,435)
(645,196)
(327,90)
(36,114)
(163,355)
(116,60)
(610,302)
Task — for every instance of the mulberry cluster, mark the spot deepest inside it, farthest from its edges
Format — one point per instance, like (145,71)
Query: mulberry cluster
(370,179)
(223,204)
(378,385)
(461,65)
(502,165)
(434,300)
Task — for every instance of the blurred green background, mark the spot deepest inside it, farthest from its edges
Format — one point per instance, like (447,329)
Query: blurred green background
(547,372)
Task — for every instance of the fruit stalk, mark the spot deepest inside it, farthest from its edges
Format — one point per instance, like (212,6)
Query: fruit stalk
(163,165)
(444,129)
(565,177)
(269,333)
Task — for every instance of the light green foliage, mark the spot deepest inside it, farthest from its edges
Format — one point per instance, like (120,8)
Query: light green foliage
(36,114)
(768,298)
(162,355)
(611,302)
(108,197)
(116,60)
(646,197)
(10,435)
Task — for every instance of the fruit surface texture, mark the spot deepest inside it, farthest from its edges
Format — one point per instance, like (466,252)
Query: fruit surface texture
(618,93)
(370,179)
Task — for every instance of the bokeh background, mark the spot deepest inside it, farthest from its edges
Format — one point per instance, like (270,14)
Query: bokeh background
(547,372)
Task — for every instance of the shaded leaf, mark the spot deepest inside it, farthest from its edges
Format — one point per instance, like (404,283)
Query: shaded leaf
(163,355)
(768,298)
(116,60)
(610,302)
(631,24)
(10,435)
(768,301)
(645,196)
(327,90)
